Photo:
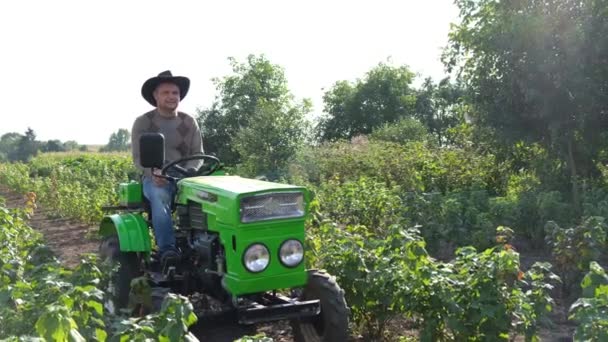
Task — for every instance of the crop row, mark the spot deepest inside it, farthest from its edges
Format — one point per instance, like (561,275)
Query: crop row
(41,298)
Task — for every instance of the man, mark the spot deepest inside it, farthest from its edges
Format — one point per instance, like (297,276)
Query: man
(182,138)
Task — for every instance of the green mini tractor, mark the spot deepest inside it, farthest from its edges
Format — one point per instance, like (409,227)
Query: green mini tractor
(242,249)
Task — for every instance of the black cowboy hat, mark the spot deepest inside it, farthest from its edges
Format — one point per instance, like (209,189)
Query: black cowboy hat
(183,83)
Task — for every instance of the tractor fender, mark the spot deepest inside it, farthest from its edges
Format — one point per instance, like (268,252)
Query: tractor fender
(132,231)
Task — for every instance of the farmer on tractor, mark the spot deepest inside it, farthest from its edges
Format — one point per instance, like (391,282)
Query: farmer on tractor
(238,243)
(182,138)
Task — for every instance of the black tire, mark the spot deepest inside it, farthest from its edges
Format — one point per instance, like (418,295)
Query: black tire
(120,281)
(332,323)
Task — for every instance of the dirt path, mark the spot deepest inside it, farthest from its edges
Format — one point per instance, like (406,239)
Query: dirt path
(68,239)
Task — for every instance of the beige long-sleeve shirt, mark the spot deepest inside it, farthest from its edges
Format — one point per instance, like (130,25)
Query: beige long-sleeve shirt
(182,137)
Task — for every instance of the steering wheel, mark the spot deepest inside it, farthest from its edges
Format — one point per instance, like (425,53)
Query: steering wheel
(190,173)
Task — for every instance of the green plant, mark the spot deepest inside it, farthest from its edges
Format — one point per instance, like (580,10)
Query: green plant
(369,268)
(39,297)
(73,185)
(477,296)
(574,248)
(591,311)
(170,324)
(363,202)
(401,132)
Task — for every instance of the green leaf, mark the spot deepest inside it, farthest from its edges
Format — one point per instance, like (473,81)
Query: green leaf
(97,306)
(75,336)
(101,335)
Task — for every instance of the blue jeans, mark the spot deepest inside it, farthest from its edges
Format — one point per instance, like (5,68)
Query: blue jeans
(161,198)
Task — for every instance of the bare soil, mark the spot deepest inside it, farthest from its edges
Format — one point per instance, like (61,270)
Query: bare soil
(68,239)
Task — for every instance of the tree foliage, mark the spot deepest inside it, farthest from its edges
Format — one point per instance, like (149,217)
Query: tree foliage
(8,145)
(53,146)
(22,147)
(440,107)
(537,71)
(119,141)
(401,132)
(385,95)
(271,139)
(27,146)
(254,119)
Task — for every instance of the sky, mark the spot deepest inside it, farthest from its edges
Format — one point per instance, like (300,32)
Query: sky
(73,70)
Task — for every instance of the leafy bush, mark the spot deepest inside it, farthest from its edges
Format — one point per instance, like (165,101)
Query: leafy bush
(415,166)
(595,202)
(591,311)
(401,132)
(446,221)
(574,248)
(456,218)
(73,185)
(384,162)
(478,296)
(363,202)
(374,273)
(16,176)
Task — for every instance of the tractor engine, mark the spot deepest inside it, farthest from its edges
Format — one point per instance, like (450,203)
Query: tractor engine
(205,250)
(202,246)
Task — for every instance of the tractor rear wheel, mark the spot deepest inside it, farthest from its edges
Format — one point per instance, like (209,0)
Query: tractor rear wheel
(332,323)
(120,281)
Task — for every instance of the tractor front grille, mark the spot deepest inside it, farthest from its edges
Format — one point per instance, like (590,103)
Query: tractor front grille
(197,218)
(272,206)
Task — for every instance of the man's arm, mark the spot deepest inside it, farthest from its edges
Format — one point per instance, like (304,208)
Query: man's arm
(195,144)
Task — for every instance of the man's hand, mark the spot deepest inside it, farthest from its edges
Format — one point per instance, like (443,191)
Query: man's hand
(192,171)
(159,181)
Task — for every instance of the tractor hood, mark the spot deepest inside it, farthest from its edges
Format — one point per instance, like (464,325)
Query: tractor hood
(234,186)
(221,199)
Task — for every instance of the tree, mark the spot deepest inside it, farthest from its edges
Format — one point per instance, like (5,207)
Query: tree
(439,107)
(52,146)
(119,141)
(218,131)
(9,143)
(256,89)
(384,96)
(272,137)
(70,145)
(537,71)
(26,148)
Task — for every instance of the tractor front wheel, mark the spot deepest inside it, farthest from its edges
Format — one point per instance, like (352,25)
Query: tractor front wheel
(332,323)
(120,281)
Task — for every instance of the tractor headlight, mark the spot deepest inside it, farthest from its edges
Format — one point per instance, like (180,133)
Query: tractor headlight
(272,206)
(256,258)
(291,253)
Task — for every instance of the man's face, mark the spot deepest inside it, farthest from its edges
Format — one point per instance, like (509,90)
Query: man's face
(167,96)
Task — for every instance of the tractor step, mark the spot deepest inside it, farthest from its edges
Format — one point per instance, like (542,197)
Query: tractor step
(165,280)
(253,312)
(287,309)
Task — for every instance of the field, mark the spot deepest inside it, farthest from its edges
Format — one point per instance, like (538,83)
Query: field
(392,281)
(471,207)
